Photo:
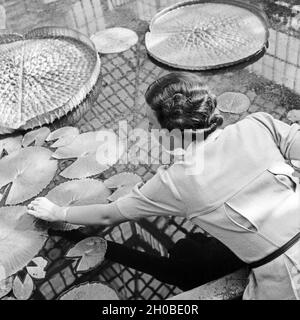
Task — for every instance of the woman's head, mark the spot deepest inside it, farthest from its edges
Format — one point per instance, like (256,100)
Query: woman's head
(180,101)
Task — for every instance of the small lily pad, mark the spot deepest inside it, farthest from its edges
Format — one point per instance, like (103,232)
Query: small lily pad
(90,291)
(37,136)
(29,170)
(5,287)
(233,102)
(77,193)
(90,251)
(23,289)
(294,115)
(36,268)
(114,40)
(10,144)
(122,179)
(120,192)
(20,239)
(123,182)
(63,136)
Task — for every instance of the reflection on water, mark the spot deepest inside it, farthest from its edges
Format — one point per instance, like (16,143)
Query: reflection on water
(280,64)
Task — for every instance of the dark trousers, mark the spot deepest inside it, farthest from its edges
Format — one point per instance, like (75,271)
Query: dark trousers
(192,261)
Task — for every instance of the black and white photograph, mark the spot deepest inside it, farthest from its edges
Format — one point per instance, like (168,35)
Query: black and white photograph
(149,151)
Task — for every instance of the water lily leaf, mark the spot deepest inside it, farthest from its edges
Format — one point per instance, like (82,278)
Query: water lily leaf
(294,115)
(84,148)
(36,268)
(20,240)
(85,143)
(120,192)
(77,193)
(23,290)
(5,286)
(114,40)
(37,136)
(124,182)
(91,252)
(8,298)
(10,144)
(29,170)
(233,102)
(83,167)
(87,148)
(90,291)
(122,179)
(63,136)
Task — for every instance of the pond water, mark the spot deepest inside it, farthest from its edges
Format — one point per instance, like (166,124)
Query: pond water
(272,83)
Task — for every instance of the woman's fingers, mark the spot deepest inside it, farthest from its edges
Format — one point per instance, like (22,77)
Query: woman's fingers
(34,213)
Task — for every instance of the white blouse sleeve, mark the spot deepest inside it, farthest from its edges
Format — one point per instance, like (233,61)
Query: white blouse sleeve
(158,197)
(285,136)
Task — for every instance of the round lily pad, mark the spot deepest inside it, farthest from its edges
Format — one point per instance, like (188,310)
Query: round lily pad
(114,40)
(294,115)
(233,102)
(90,291)
(20,239)
(29,170)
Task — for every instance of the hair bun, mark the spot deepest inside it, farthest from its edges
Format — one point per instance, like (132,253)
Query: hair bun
(179,98)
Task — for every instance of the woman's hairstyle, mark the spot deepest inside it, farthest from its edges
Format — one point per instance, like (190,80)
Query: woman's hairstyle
(180,101)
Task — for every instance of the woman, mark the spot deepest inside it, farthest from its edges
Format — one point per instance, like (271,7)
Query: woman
(246,195)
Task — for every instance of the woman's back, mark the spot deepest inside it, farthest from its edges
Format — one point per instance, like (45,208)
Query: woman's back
(247,197)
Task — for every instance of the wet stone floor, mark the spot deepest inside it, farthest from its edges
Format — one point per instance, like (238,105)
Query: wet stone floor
(272,83)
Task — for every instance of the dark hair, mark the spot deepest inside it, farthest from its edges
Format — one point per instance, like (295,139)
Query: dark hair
(181,101)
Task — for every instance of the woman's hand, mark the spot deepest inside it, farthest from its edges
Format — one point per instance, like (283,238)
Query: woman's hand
(44,209)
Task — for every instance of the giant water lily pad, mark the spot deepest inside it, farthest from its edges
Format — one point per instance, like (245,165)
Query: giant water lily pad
(233,102)
(29,170)
(90,291)
(200,35)
(20,240)
(90,251)
(45,74)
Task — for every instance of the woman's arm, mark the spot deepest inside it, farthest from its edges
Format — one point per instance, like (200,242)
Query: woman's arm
(96,214)
(155,198)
